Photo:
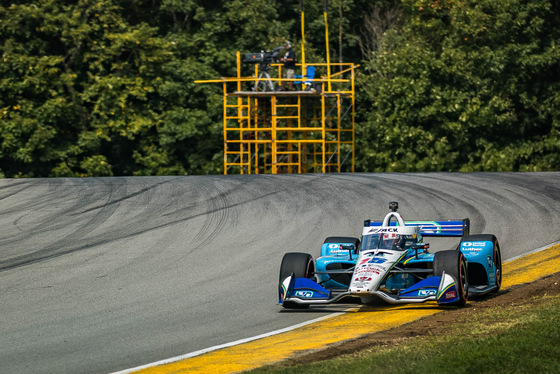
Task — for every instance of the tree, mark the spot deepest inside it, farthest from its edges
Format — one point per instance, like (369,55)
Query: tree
(85,92)
(465,85)
(106,87)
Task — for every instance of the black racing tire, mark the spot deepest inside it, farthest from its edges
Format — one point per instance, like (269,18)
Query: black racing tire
(299,264)
(454,263)
(498,266)
(497,254)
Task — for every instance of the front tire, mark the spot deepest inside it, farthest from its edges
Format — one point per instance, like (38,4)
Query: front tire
(497,266)
(496,255)
(302,266)
(454,263)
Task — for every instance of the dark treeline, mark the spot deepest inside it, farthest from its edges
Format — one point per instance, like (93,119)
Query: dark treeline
(106,87)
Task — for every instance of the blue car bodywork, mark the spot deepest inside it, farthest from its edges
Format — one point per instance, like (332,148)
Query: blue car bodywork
(349,267)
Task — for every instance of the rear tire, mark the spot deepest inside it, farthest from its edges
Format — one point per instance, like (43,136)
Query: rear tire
(299,264)
(454,263)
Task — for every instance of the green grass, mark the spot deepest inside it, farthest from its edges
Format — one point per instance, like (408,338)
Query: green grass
(519,339)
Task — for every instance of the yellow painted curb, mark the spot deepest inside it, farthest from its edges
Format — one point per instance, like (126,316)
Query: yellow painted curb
(531,267)
(356,322)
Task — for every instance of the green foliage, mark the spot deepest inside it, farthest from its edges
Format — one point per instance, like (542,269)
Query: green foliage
(465,85)
(106,87)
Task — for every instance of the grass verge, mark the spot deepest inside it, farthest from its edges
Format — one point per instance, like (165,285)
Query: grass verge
(521,338)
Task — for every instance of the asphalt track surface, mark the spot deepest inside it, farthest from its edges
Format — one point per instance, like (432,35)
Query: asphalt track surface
(103,274)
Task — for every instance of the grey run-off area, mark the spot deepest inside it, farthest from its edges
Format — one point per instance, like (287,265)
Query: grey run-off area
(104,274)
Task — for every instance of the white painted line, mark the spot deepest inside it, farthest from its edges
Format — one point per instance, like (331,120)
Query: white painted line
(226,345)
(533,251)
(272,333)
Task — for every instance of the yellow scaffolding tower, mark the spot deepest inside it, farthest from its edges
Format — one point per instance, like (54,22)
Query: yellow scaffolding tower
(310,130)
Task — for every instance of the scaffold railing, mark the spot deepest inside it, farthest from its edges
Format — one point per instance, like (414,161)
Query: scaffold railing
(307,130)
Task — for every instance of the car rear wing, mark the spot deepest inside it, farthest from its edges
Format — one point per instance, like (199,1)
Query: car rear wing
(433,228)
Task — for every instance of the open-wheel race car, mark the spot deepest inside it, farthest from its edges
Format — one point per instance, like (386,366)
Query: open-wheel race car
(392,262)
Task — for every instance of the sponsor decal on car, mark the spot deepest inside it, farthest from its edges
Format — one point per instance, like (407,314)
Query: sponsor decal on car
(368,269)
(337,251)
(330,261)
(377,260)
(473,246)
(363,279)
(451,295)
(426,292)
(305,294)
(382,230)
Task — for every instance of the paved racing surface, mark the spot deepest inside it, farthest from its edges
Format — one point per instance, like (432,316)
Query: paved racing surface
(103,274)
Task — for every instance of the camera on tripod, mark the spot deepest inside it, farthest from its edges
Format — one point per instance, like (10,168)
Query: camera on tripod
(263,58)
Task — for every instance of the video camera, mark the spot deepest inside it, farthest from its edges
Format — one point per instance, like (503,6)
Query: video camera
(263,58)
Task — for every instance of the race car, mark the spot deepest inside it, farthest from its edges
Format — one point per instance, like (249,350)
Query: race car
(392,262)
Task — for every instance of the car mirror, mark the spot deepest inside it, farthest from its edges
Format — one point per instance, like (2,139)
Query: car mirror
(349,247)
(418,246)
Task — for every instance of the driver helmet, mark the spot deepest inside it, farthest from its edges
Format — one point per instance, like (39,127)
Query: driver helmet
(394,241)
(401,243)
